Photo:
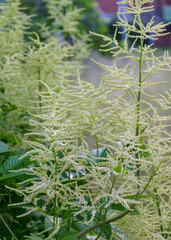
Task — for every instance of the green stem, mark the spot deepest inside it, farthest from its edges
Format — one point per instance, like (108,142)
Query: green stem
(159,210)
(6,225)
(69,207)
(168,234)
(55,216)
(97,145)
(40,89)
(39,78)
(97,148)
(117,217)
(138,134)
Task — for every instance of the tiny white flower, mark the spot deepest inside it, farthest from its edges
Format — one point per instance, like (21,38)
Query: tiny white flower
(55,132)
(119,144)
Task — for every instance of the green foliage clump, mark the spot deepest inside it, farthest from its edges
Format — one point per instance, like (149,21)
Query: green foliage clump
(89,17)
(120,189)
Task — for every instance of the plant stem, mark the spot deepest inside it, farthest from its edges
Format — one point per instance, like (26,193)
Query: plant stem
(138,134)
(55,216)
(117,217)
(40,89)
(97,148)
(40,85)
(168,234)
(97,145)
(39,78)
(159,210)
(69,221)
(6,225)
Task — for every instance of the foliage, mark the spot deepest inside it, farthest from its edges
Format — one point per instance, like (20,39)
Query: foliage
(9,224)
(23,66)
(89,18)
(120,189)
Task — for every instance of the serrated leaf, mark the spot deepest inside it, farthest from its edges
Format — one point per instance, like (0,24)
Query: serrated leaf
(11,175)
(4,147)
(11,163)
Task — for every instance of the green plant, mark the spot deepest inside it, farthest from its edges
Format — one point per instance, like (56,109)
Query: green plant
(120,189)
(25,65)
(9,226)
(40,11)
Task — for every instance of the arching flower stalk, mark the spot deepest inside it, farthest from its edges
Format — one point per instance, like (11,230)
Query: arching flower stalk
(124,182)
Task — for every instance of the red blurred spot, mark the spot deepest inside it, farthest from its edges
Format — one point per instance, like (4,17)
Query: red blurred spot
(107,6)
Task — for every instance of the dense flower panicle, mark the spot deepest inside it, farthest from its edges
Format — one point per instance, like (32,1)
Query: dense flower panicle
(24,64)
(130,163)
(13,25)
(65,15)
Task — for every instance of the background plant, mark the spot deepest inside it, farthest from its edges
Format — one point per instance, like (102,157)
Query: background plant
(120,189)
(89,19)
(25,64)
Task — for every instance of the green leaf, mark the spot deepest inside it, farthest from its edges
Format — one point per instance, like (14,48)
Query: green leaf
(68,236)
(4,147)
(7,106)
(10,137)
(78,226)
(117,169)
(11,175)
(66,214)
(47,223)
(101,151)
(107,231)
(120,207)
(11,163)
(117,206)
(135,212)
(102,154)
